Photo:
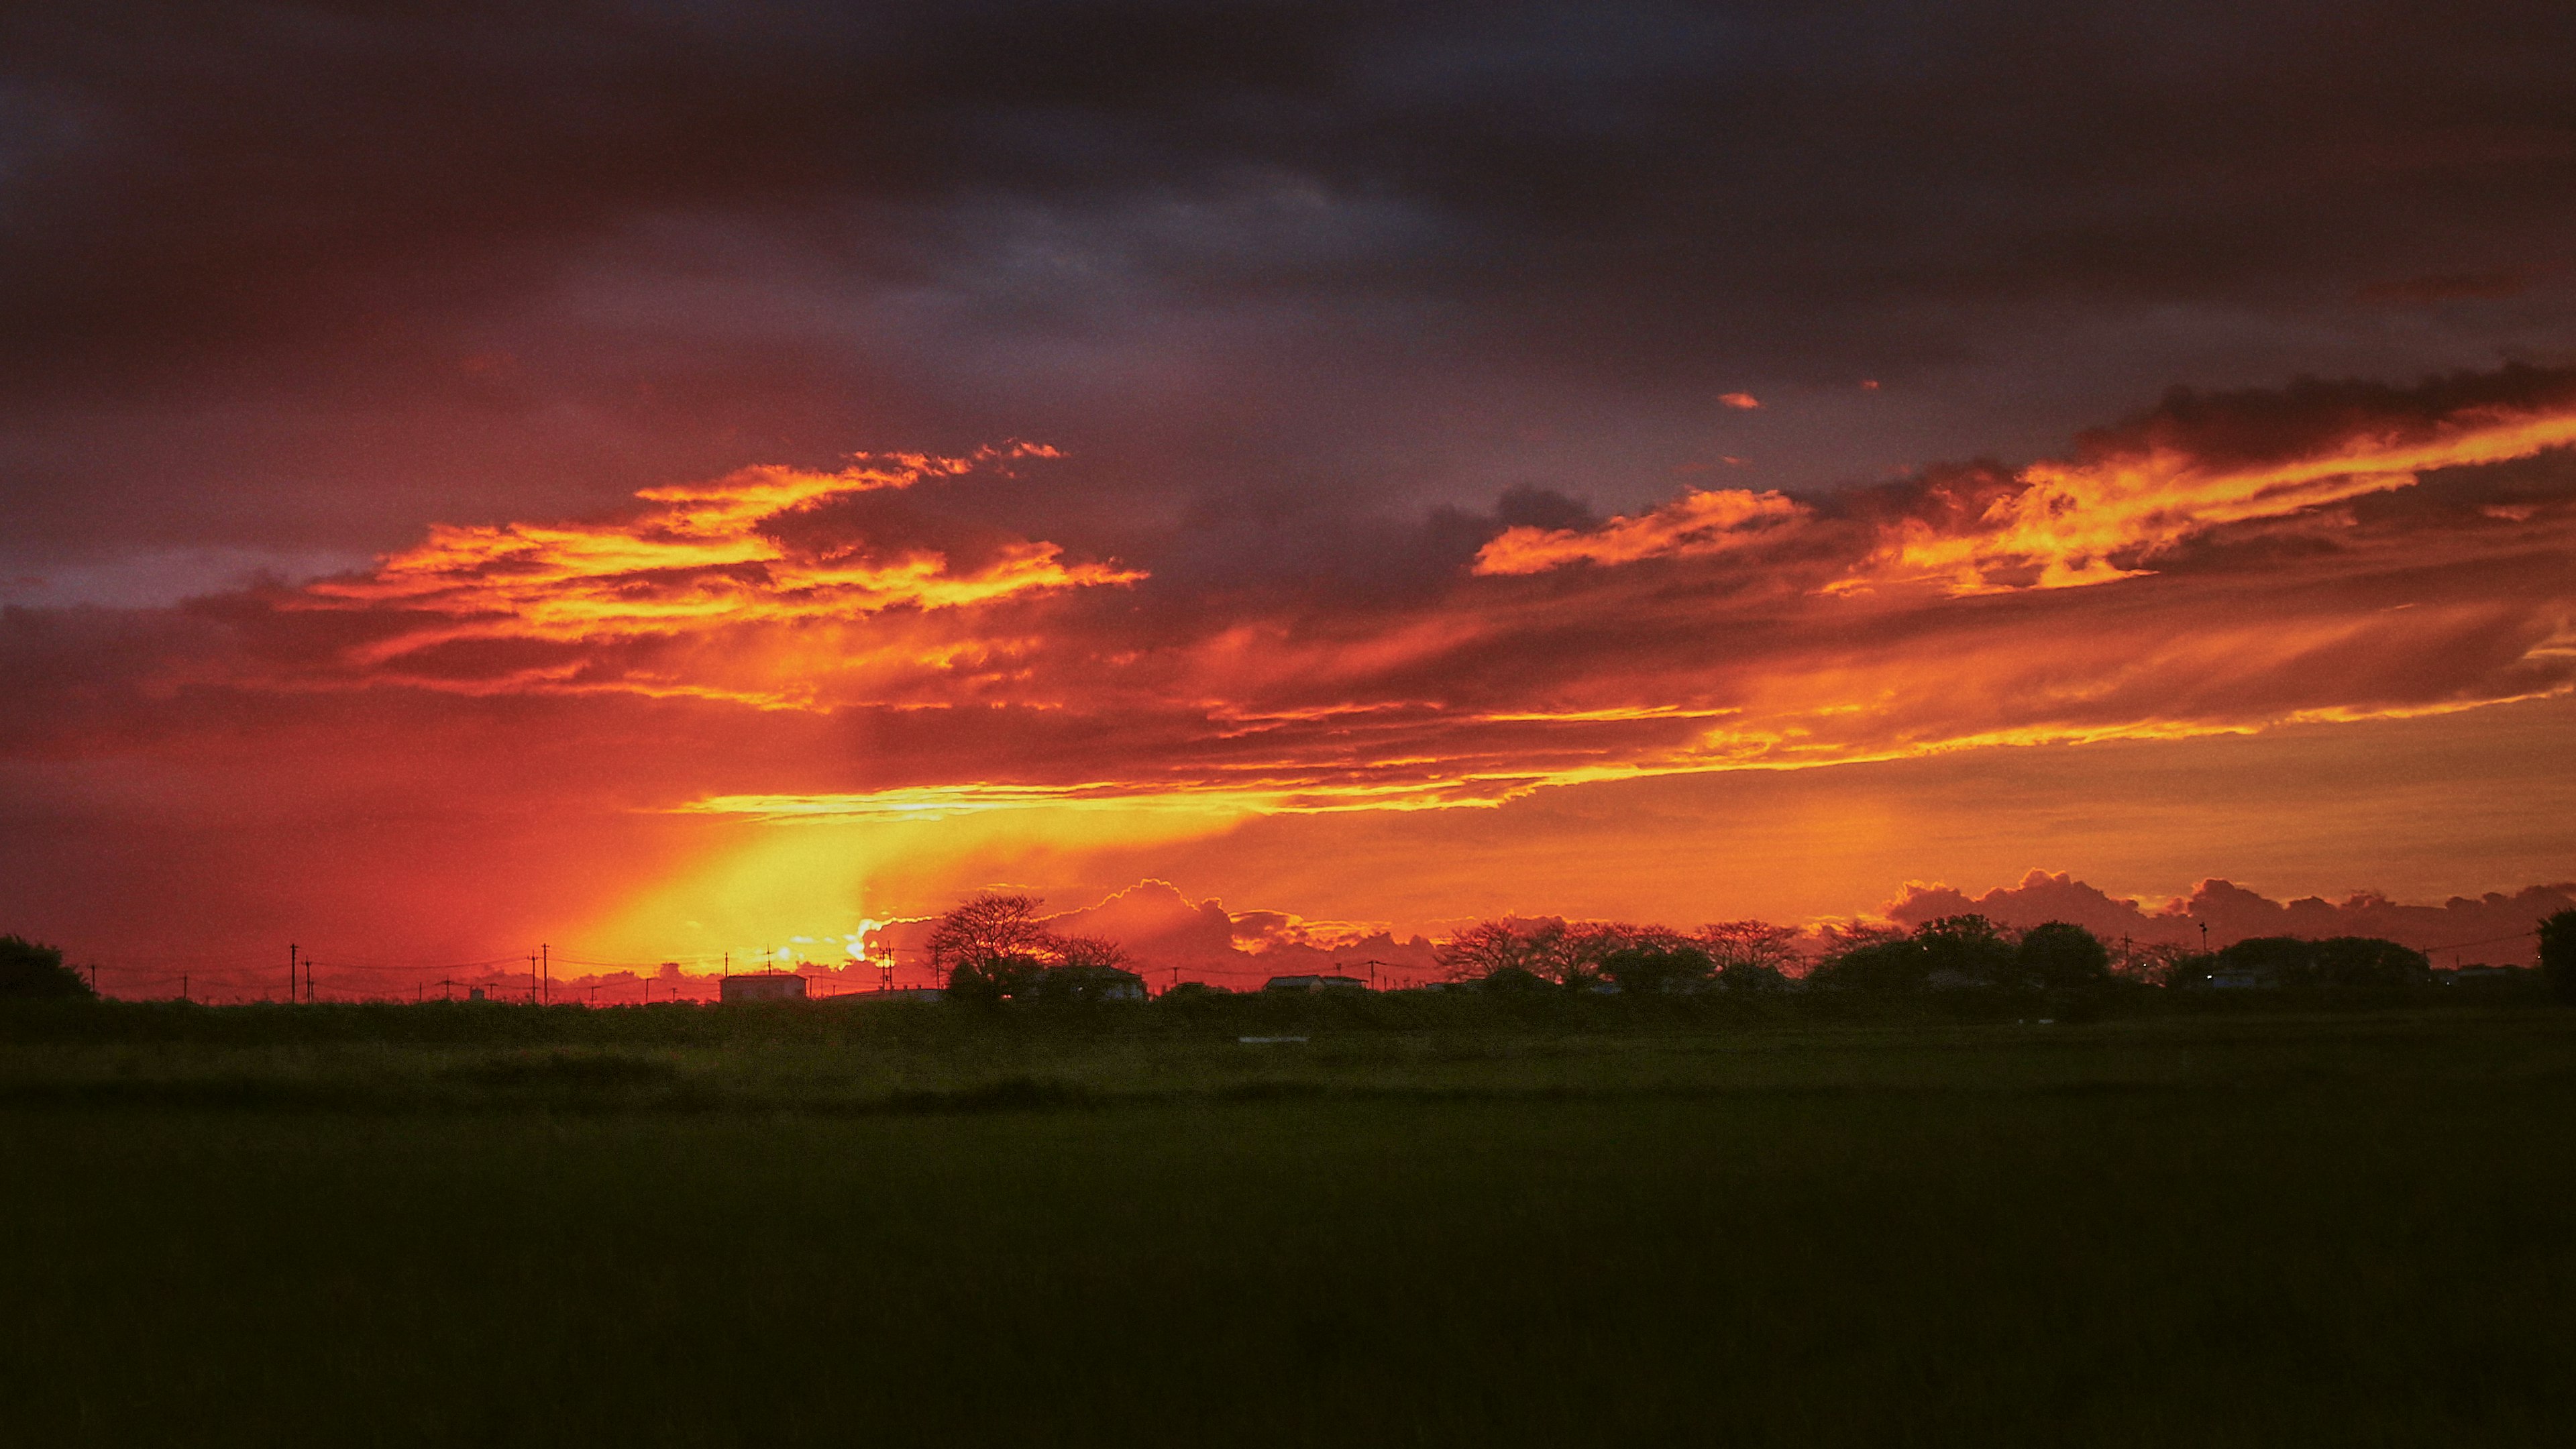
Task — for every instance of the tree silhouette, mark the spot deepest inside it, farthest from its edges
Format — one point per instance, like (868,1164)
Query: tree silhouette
(1749,955)
(1087,952)
(1088,968)
(2558,955)
(2061,955)
(1570,955)
(1951,951)
(30,971)
(2335,961)
(1646,970)
(1487,947)
(991,947)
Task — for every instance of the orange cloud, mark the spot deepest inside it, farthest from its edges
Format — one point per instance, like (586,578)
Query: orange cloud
(2219,565)
(1742,401)
(2066,524)
(795,697)
(1698,524)
(698,560)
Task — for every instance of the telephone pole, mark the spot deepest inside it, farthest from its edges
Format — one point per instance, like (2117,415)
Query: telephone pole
(548,954)
(290,972)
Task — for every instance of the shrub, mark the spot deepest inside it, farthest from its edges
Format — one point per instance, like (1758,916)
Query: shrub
(29,971)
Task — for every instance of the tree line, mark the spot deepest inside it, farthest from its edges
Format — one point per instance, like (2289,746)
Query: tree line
(1964,951)
(995,947)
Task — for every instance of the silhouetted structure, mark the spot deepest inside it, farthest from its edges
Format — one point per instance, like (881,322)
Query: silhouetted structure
(1314,983)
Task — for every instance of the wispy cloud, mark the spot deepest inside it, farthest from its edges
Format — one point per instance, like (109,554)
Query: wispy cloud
(630,601)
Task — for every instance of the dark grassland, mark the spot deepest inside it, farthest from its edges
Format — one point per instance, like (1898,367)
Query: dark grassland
(1436,1221)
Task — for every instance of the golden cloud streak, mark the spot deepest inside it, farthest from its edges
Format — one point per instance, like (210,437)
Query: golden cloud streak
(2060,524)
(696,557)
(1700,523)
(2070,519)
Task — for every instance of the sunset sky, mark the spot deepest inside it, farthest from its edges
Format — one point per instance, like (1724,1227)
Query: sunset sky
(674,479)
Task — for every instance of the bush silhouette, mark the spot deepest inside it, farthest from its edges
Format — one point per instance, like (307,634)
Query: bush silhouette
(29,971)
(2061,955)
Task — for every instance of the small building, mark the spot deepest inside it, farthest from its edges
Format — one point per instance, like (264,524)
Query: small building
(1314,983)
(765,986)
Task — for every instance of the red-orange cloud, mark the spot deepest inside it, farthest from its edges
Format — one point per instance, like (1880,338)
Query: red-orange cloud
(619,602)
(2221,564)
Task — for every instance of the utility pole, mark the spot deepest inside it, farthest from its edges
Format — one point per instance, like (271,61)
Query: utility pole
(548,952)
(290,972)
(532,978)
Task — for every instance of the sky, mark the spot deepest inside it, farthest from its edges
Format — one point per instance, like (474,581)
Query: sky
(670,480)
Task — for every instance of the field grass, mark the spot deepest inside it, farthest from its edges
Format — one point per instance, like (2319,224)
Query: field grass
(2348,1228)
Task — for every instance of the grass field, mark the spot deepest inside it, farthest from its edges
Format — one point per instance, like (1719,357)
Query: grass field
(2346,1228)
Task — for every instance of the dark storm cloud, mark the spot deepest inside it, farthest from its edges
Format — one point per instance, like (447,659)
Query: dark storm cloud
(308,276)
